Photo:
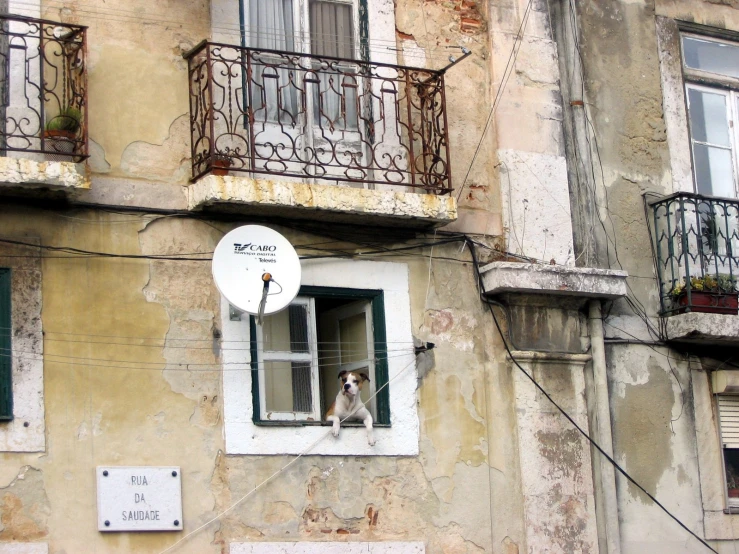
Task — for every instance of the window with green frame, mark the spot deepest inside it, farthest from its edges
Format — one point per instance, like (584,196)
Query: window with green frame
(298,353)
(6,390)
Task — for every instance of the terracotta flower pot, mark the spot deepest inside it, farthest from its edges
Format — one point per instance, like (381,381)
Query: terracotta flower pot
(59,145)
(220,166)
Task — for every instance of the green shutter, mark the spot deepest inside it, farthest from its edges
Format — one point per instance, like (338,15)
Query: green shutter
(6,388)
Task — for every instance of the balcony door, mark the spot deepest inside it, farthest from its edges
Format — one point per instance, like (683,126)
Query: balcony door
(305,109)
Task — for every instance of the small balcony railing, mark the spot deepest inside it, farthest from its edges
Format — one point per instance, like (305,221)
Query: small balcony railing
(697,248)
(43,89)
(317,119)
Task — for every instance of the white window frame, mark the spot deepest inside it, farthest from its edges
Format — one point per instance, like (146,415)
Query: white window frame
(732,100)
(244,436)
(310,357)
(301,23)
(730,502)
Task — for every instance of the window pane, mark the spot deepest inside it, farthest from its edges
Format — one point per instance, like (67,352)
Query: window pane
(298,328)
(353,333)
(712,56)
(302,394)
(713,171)
(271,25)
(331,32)
(278,386)
(709,119)
(287,386)
(286,331)
(731,461)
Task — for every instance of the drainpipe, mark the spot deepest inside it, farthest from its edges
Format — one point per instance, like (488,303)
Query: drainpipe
(603,471)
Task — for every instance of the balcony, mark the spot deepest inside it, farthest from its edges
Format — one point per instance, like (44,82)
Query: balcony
(287,128)
(43,107)
(697,249)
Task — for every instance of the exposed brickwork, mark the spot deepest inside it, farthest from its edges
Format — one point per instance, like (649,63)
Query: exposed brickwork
(471,20)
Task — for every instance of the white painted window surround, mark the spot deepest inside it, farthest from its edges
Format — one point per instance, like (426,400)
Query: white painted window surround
(327,548)
(27,431)
(225,26)
(243,436)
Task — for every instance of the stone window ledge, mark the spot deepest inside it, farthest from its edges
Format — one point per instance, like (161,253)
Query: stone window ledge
(391,206)
(523,278)
(31,174)
(703,329)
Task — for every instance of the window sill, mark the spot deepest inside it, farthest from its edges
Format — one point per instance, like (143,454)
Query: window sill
(261,423)
(732,510)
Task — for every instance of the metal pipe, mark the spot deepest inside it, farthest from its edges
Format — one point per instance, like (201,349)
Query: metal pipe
(605,485)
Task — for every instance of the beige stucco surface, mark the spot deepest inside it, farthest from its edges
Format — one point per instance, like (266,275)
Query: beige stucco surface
(132,351)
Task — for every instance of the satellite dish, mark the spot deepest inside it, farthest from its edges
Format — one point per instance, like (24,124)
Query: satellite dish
(256,267)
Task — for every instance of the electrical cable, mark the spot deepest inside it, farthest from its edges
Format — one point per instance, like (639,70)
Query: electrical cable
(107,15)
(283,468)
(569,418)
(517,42)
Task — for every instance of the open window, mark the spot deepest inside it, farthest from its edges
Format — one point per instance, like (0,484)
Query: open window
(298,353)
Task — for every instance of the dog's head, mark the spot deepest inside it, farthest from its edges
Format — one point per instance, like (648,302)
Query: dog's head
(351,382)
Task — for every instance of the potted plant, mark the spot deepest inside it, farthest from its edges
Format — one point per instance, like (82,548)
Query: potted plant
(61,131)
(715,294)
(220,164)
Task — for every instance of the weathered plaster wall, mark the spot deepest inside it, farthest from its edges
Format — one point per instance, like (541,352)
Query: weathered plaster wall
(654,440)
(137,83)
(122,340)
(635,116)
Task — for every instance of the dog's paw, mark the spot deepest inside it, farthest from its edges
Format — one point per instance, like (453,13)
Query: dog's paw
(371,441)
(335,431)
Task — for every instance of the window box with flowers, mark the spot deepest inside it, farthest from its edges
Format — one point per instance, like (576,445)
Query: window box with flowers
(707,294)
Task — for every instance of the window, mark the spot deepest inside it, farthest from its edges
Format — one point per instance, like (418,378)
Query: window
(348,298)
(728,409)
(713,109)
(298,353)
(6,390)
(326,28)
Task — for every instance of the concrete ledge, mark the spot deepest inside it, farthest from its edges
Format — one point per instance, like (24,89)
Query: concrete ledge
(583,282)
(704,329)
(335,203)
(25,173)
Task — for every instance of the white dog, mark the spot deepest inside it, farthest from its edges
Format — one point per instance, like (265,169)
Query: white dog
(348,403)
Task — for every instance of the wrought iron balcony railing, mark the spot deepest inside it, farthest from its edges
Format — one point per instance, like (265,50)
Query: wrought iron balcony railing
(43,89)
(697,248)
(317,118)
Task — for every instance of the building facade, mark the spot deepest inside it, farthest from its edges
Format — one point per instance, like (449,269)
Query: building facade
(517,219)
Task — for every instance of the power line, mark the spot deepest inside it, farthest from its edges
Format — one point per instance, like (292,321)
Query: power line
(517,42)
(567,416)
(283,468)
(377,45)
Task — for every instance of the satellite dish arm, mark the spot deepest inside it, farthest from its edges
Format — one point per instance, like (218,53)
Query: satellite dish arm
(266,279)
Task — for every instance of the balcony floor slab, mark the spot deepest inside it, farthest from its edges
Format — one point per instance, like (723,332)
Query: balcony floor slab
(703,329)
(334,203)
(558,280)
(23,173)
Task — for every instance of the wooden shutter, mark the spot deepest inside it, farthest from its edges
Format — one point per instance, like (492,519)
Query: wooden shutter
(6,389)
(728,410)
